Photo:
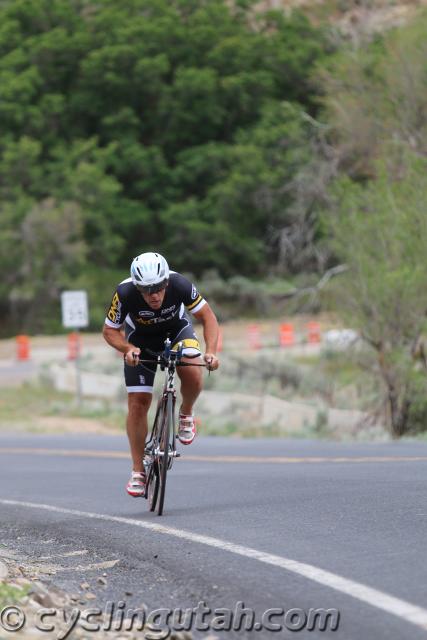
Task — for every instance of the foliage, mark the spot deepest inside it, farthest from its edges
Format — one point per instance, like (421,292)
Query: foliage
(239,296)
(42,253)
(380,230)
(169,125)
(373,160)
(376,100)
(11,594)
(257,169)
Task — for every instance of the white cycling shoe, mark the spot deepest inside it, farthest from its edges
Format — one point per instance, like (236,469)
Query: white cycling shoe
(186,429)
(136,485)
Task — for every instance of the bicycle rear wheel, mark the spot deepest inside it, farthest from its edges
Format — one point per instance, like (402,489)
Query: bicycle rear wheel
(164,447)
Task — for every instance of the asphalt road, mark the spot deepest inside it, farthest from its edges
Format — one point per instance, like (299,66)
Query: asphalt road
(356,511)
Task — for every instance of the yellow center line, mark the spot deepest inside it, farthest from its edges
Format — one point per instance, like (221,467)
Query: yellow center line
(84,453)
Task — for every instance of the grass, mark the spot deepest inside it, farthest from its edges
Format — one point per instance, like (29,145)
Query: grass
(321,380)
(215,427)
(17,403)
(10,595)
(314,380)
(26,405)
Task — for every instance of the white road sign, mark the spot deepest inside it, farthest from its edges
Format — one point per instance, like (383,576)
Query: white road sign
(75,314)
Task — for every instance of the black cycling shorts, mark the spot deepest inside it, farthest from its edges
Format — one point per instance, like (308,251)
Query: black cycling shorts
(140,379)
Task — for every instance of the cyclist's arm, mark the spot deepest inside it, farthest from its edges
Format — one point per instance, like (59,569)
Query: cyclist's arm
(210,327)
(112,330)
(116,339)
(210,333)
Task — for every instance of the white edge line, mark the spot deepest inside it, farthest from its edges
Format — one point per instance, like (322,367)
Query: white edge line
(378,599)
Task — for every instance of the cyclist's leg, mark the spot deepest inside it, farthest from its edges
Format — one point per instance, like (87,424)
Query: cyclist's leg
(137,426)
(191,380)
(139,384)
(191,377)
(191,385)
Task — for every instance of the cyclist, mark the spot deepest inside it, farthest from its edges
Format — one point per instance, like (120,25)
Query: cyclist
(149,306)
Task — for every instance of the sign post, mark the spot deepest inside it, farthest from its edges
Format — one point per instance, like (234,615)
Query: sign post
(75,315)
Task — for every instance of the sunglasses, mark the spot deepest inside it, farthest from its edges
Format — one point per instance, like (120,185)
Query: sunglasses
(153,288)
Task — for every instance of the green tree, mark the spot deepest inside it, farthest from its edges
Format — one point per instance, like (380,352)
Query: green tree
(167,124)
(380,231)
(44,253)
(235,221)
(376,99)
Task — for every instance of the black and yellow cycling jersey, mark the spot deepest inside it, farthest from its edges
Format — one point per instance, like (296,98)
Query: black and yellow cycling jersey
(147,328)
(128,306)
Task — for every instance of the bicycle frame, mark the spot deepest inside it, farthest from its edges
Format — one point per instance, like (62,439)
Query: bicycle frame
(168,362)
(160,449)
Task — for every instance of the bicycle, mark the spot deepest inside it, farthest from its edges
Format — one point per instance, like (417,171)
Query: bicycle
(160,449)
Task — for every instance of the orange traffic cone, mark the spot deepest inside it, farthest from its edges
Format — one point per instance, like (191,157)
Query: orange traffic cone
(22,347)
(287,336)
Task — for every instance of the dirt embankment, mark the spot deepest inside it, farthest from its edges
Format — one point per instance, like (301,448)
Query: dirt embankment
(33,607)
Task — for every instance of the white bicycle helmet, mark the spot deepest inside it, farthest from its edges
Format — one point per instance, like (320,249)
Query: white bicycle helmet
(149,272)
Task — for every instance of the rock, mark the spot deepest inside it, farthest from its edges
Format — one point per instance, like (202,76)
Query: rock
(47,598)
(90,596)
(6,553)
(34,604)
(23,581)
(48,571)
(4,571)
(102,581)
(85,586)
(38,588)
(58,593)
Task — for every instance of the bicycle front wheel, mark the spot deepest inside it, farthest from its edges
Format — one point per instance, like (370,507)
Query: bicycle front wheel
(164,446)
(152,486)
(151,455)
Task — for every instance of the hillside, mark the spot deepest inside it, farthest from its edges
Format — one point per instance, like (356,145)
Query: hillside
(353,19)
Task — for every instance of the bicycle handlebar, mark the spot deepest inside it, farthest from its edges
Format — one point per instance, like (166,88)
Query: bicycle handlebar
(178,364)
(165,359)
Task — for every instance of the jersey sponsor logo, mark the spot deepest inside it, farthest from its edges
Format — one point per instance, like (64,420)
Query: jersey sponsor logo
(154,320)
(194,293)
(168,310)
(114,312)
(146,314)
